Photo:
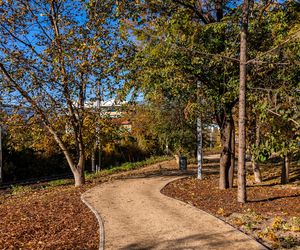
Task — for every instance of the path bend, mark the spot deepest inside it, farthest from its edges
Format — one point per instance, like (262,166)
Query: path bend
(137,216)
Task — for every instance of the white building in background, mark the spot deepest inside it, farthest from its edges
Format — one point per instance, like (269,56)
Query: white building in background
(112,109)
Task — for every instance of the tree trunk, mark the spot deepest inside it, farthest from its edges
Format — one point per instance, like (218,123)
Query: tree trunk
(255,166)
(225,158)
(79,177)
(242,196)
(79,171)
(256,171)
(287,167)
(285,170)
(232,165)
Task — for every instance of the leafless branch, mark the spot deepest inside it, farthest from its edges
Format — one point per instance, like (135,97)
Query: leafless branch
(290,119)
(194,8)
(291,37)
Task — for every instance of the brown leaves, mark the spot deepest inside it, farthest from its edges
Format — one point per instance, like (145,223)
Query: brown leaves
(47,219)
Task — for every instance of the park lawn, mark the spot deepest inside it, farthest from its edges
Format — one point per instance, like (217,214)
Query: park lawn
(272,215)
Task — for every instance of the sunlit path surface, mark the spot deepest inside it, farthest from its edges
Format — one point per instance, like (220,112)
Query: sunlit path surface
(137,216)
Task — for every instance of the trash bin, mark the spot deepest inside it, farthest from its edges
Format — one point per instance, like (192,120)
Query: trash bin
(182,163)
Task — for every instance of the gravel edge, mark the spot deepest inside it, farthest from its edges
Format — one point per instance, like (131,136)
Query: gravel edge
(100,222)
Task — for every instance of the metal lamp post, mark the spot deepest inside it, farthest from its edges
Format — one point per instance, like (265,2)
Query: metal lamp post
(199,139)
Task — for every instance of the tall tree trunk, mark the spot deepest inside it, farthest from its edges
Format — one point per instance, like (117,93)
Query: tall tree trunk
(99,165)
(225,158)
(242,196)
(285,170)
(232,165)
(255,166)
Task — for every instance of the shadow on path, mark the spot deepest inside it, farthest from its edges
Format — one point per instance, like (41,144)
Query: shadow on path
(214,241)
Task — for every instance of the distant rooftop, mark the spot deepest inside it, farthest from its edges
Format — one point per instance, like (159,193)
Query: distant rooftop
(108,103)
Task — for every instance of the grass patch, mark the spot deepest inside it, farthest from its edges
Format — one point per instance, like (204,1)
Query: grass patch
(128,166)
(18,189)
(61,182)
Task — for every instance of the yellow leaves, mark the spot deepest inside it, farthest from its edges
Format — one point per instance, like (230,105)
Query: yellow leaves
(221,211)
(84,64)
(270,235)
(238,221)
(109,148)
(277,223)
(28,133)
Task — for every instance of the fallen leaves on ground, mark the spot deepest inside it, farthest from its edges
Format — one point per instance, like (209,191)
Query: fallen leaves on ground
(47,219)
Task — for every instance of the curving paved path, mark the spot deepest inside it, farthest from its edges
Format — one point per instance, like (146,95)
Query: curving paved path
(137,216)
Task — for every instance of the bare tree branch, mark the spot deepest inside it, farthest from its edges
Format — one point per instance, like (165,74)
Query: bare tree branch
(291,37)
(290,119)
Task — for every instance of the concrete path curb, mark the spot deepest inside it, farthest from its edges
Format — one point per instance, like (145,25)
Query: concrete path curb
(100,222)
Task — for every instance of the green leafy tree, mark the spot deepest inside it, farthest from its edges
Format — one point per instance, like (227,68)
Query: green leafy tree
(274,79)
(181,44)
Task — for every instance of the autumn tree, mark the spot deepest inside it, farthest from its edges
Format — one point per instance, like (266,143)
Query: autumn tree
(162,126)
(55,56)
(181,43)
(273,80)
